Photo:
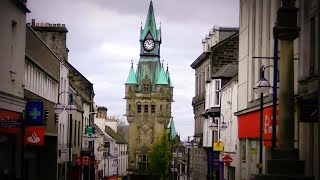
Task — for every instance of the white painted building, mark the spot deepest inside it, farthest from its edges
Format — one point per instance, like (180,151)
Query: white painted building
(116,163)
(229,137)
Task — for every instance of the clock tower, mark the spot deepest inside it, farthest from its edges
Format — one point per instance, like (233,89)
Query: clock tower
(148,95)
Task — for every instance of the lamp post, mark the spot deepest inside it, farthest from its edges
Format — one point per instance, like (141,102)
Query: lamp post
(215,127)
(70,109)
(261,87)
(196,139)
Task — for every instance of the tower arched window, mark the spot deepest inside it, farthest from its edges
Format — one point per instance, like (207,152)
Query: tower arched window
(146,88)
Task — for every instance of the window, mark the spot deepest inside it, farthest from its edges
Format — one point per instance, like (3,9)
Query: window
(129,107)
(75,133)
(78,133)
(146,88)
(139,108)
(146,108)
(312,46)
(160,107)
(243,151)
(216,96)
(153,108)
(143,162)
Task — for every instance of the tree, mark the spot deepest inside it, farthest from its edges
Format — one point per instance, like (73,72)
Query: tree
(160,156)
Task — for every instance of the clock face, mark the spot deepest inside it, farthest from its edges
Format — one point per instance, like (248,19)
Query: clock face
(148,44)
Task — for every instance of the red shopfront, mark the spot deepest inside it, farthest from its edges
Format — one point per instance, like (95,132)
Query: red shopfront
(249,125)
(9,136)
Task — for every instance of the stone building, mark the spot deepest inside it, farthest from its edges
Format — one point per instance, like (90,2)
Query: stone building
(148,94)
(220,47)
(12,102)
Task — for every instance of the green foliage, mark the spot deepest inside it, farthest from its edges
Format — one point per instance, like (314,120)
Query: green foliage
(160,156)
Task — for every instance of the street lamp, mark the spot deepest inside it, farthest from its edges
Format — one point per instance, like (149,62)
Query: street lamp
(261,87)
(70,109)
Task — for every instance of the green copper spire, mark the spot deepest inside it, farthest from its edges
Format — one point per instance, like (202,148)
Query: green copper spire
(162,77)
(150,25)
(132,79)
(173,132)
(168,76)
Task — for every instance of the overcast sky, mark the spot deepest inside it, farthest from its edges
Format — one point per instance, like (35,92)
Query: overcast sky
(103,37)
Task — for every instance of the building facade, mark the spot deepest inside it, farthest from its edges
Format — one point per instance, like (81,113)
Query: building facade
(257,20)
(229,137)
(148,94)
(12,102)
(219,42)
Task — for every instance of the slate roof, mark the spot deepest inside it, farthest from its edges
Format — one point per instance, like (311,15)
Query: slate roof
(132,78)
(117,137)
(150,25)
(162,77)
(168,77)
(227,71)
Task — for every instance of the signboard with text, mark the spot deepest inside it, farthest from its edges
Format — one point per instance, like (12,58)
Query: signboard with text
(10,121)
(218,146)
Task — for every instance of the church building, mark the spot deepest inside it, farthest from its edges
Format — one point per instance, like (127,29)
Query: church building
(148,94)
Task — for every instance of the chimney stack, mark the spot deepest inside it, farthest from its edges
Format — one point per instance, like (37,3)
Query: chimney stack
(33,22)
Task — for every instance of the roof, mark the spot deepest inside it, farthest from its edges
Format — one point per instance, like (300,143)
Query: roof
(234,79)
(200,59)
(173,132)
(132,78)
(117,137)
(168,77)
(162,78)
(150,25)
(228,71)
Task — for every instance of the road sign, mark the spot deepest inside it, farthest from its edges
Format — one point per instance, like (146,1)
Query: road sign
(85,160)
(64,154)
(227,159)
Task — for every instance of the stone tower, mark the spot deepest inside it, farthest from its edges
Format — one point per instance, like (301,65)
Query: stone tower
(148,94)
(55,37)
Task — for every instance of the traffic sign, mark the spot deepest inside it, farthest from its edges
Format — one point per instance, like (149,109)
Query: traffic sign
(227,159)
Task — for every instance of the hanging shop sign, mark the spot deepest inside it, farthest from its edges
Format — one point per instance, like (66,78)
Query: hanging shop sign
(218,146)
(227,159)
(34,135)
(34,113)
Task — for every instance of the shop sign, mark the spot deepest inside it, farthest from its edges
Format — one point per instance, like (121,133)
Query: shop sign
(216,161)
(34,136)
(10,121)
(85,161)
(65,153)
(227,159)
(249,125)
(78,161)
(34,113)
(218,146)
(267,125)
